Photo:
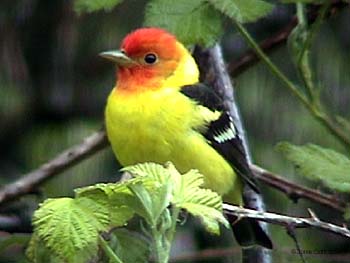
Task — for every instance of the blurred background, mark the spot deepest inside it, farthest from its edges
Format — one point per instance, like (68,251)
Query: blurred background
(53,89)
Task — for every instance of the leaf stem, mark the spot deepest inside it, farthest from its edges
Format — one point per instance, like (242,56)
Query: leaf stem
(109,252)
(160,252)
(301,14)
(171,232)
(313,108)
(270,64)
(315,26)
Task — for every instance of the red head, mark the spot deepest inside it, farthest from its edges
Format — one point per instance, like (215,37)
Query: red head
(148,56)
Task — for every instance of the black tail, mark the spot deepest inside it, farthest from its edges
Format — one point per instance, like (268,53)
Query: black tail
(248,232)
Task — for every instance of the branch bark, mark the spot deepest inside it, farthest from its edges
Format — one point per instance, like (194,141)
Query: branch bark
(287,221)
(295,191)
(29,183)
(214,72)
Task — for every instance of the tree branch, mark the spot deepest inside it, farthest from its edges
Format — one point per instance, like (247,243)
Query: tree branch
(212,67)
(295,191)
(287,221)
(29,183)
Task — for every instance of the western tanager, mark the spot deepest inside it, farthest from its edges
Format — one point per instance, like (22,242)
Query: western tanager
(158,112)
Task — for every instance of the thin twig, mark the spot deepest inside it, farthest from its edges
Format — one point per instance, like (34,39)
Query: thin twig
(287,221)
(250,58)
(295,191)
(29,183)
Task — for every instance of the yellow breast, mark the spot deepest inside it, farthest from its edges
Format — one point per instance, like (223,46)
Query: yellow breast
(162,126)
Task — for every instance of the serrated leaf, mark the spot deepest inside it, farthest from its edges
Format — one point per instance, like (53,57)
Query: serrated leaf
(89,6)
(114,196)
(154,171)
(319,164)
(243,10)
(193,22)
(182,190)
(37,252)
(150,206)
(70,227)
(130,246)
(207,205)
(185,185)
(203,203)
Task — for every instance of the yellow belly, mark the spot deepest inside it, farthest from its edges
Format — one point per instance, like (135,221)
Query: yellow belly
(159,127)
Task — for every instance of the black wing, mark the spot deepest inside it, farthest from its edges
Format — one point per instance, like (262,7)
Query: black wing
(222,133)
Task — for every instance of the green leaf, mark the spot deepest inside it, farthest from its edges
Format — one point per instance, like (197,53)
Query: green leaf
(319,164)
(193,22)
(70,227)
(130,246)
(114,196)
(89,6)
(154,171)
(38,253)
(243,10)
(203,203)
(151,206)
(207,205)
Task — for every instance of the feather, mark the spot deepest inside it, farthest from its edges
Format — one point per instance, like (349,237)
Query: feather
(221,133)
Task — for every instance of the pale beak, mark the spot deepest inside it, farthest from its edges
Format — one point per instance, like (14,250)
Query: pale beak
(118,57)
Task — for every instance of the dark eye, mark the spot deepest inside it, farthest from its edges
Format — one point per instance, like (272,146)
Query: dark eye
(150,58)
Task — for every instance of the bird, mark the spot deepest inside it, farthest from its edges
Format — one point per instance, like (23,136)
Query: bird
(158,111)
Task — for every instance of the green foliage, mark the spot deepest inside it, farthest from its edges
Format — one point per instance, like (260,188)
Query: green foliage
(68,230)
(198,201)
(114,197)
(131,247)
(243,10)
(193,22)
(184,191)
(197,21)
(69,227)
(88,6)
(319,164)
(167,186)
(38,252)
